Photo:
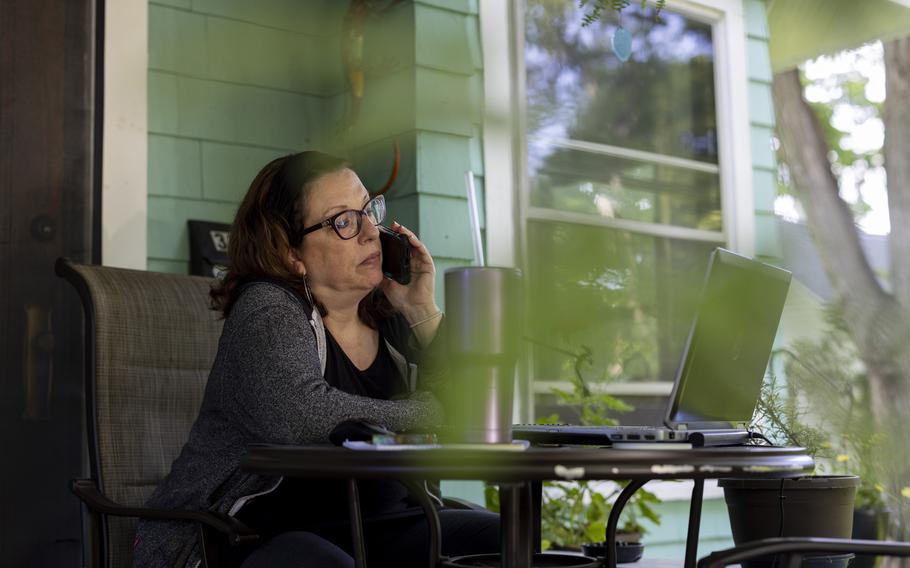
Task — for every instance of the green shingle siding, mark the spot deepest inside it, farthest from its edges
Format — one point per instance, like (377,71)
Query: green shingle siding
(448,41)
(759,60)
(167,217)
(463,6)
(761,106)
(232,84)
(177,41)
(185,4)
(174,166)
(228,169)
(762,152)
(240,52)
(764,183)
(756,21)
(162,103)
(447,102)
(442,161)
(310,17)
(761,116)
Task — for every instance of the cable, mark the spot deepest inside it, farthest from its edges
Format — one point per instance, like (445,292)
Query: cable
(755,435)
(780,532)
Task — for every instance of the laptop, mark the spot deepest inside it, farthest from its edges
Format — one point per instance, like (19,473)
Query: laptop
(723,364)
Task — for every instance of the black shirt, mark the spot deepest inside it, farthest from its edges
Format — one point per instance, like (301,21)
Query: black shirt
(310,503)
(380,380)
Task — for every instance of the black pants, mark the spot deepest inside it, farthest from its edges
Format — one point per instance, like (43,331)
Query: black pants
(399,542)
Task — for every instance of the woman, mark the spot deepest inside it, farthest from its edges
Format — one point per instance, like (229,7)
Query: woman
(313,336)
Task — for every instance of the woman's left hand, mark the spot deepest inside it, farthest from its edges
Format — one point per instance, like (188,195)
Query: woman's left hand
(416,300)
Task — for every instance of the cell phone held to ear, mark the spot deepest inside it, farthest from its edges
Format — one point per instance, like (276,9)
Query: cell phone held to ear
(396,255)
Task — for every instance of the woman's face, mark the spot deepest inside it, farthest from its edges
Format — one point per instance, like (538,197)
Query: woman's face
(333,265)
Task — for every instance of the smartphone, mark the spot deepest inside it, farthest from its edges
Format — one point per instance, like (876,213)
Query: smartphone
(396,255)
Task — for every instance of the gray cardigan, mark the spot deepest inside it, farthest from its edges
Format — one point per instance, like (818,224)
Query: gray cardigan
(266,385)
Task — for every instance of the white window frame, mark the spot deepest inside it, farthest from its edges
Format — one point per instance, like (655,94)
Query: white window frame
(505,153)
(124,162)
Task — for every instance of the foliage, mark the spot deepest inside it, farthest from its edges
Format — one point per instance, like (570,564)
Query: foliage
(576,512)
(573,513)
(842,102)
(599,6)
(825,408)
(596,408)
(783,420)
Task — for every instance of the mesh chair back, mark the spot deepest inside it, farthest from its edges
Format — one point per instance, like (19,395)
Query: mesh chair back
(152,339)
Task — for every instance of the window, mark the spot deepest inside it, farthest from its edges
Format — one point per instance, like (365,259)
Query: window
(623,195)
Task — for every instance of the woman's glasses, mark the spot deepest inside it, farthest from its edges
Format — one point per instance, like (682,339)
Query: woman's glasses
(348,223)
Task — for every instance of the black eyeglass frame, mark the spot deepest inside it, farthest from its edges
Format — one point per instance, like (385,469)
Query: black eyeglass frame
(330,222)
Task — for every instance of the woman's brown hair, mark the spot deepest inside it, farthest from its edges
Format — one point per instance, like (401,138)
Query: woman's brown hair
(269,222)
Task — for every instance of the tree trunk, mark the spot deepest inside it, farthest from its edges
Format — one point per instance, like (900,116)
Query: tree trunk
(897,164)
(877,320)
(871,312)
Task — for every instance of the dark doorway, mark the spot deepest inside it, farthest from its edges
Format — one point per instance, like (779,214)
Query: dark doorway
(47,140)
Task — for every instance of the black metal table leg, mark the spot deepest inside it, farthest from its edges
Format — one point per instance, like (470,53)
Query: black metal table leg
(613,522)
(795,560)
(527,522)
(698,493)
(514,508)
(360,558)
(536,507)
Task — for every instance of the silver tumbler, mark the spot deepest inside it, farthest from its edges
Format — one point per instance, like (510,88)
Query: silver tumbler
(484,328)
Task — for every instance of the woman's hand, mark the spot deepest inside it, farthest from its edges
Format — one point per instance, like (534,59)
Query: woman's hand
(416,301)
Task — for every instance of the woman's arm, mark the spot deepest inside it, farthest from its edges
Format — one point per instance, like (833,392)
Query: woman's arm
(277,392)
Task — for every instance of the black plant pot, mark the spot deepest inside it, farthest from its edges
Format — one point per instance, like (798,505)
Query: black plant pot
(869,524)
(816,506)
(626,552)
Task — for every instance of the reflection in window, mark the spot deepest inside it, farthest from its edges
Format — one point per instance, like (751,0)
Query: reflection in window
(611,143)
(661,100)
(629,298)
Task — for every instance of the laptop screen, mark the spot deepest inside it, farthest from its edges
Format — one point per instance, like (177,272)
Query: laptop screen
(724,362)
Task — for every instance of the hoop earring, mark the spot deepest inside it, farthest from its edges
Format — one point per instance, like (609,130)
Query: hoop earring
(306,291)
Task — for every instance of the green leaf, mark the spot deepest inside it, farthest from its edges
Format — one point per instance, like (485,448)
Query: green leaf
(595,531)
(491,497)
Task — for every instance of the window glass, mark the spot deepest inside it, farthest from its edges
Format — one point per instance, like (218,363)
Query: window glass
(629,299)
(661,100)
(611,143)
(583,182)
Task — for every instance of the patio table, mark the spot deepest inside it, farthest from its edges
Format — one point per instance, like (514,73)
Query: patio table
(516,471)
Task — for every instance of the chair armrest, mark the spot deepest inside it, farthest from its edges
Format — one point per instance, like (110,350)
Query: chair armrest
(458,503)
(235,531)
(798,546)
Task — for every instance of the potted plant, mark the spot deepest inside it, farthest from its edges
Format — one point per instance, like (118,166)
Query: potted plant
(574,514)
(824,408)
(829,372)
(810,506)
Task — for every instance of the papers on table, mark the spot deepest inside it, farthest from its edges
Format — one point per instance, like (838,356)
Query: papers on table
(516,446)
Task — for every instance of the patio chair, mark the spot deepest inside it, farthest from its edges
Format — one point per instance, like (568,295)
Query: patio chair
(150,340)
(794,549)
